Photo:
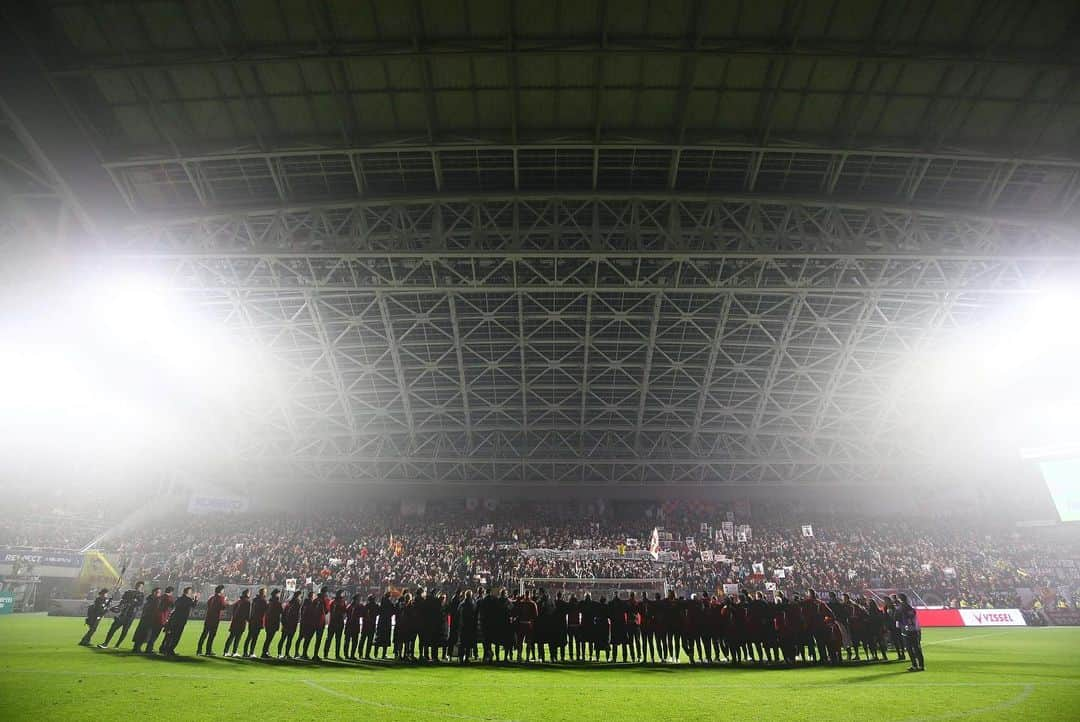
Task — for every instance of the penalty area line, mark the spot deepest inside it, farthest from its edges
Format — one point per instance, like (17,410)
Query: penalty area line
(395,707)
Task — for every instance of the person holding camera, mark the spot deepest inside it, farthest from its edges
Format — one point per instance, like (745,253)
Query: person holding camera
(130,603)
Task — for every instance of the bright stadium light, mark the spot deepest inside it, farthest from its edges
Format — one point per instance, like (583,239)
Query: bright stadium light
(119,366)
(1033,342)
(143,320)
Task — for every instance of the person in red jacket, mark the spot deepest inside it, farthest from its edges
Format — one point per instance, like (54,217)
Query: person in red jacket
(339,610)
(214,608)
(168,599)
(290,620)
(241,610)
(272,620)
(256,620)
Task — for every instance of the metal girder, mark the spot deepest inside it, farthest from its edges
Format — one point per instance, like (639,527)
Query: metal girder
(979,183)
(525,46)
(542,386)
(627,273)
(395,354)
(584,473)
(602,223)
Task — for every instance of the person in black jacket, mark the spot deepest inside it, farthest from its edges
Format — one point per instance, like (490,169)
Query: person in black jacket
(272,621)
(255,621)
(354,618)
(557,640)
(130,603)
(367,627)
(94,613)
(177,621)
(384,626)
(467,628)
(149,617)
(486,611)
(290,620)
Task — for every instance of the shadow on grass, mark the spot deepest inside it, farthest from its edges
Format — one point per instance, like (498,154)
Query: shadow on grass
(386,665)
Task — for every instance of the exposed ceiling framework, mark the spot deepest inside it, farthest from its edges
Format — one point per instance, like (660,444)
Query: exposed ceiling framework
(572,243)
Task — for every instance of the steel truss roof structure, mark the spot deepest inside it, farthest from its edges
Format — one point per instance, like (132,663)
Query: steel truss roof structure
(564,244)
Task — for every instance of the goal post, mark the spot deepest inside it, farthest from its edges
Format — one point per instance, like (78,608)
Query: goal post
(597,587)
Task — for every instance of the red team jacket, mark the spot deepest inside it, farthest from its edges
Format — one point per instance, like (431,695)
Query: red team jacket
(214,608)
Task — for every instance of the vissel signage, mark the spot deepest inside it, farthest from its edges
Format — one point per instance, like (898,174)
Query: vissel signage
(970,618)
(992,618)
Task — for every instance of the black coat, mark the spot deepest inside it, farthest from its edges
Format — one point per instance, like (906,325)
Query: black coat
(485,619)
(181,612)
(467,625)
(385,624)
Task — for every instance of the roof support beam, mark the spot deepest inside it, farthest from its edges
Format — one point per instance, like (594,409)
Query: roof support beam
(710,368)
(650,350)
(399,369)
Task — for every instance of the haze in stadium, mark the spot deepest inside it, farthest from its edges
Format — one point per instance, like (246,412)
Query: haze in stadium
(533,360)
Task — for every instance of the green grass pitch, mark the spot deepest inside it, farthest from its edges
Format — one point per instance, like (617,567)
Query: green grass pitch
(1005,674)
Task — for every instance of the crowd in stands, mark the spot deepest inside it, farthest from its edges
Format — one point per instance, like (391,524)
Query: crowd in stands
(445,547)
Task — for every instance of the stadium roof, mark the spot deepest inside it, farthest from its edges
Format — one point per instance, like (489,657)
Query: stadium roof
(562,243)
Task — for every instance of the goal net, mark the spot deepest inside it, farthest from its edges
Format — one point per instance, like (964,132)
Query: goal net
(608,588)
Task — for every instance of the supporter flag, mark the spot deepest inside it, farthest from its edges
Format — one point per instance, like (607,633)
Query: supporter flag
(759,569)
(779,574)
(290,585)
(770,587)
(807,530)
(742,537)
(654,543)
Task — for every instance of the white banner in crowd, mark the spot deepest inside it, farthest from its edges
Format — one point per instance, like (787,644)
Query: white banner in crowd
(743,539)
(706,555)
(203,504)
(779,574)
(807,530)
(290,585)
(731,589)
(759,568)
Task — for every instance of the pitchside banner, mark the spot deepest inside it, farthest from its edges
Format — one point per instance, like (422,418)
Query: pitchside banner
(970,618)
(202,504)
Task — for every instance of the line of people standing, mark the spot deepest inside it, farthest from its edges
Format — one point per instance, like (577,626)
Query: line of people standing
(428,626)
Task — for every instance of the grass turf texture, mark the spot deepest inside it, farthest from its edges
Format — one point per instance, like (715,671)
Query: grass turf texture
(973,674)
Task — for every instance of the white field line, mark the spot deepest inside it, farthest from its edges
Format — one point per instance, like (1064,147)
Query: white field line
(394,707)
(1010,702)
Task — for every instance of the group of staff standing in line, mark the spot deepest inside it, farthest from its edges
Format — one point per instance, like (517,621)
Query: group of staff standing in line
(427,626)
